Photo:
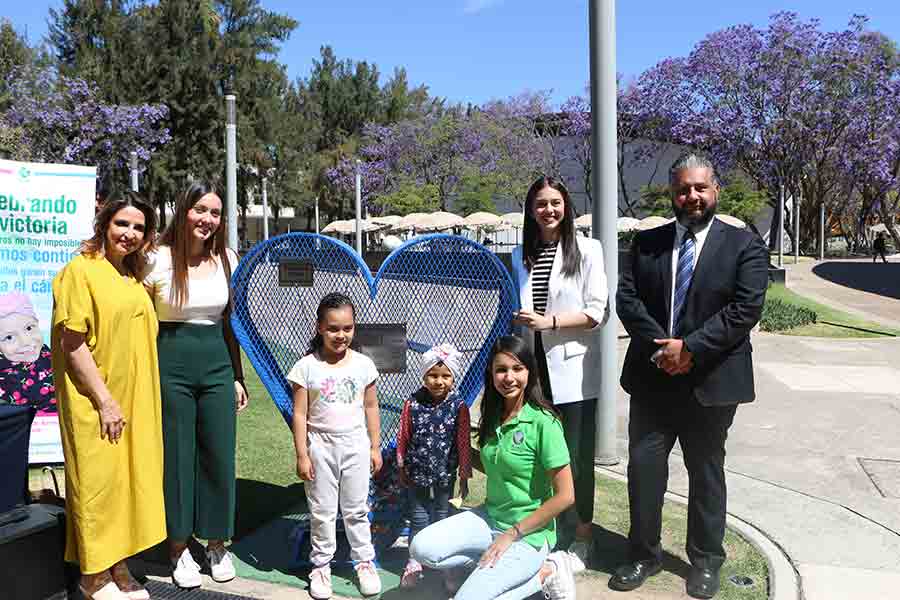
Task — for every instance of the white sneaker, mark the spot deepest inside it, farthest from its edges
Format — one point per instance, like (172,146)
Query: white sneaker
(559,585)
(220,565)
(579,555)
(320,583)
(369,581)
(186,571)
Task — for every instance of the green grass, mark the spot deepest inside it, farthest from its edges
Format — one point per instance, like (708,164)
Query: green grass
(267,483)
(832,322)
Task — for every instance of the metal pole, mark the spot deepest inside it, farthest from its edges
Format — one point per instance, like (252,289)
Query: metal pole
(317,214)
(231,170)
(821,231)
(265,207)
(602,14)
(796,204)
(134,172)
(781,226)
(358,208)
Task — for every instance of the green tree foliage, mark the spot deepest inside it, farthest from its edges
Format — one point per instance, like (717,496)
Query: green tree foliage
(738,198)
(185,54)
(476,193)
(656,201)
(411,197)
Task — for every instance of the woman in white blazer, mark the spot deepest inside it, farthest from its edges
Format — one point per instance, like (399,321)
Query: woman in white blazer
(563,296)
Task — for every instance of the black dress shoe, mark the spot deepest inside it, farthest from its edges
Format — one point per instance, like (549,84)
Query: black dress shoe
(703,583)
(633,575)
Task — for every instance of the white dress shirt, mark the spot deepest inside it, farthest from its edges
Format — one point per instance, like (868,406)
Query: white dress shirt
(699,239)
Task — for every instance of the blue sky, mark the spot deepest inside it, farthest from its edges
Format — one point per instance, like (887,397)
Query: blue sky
(476,50)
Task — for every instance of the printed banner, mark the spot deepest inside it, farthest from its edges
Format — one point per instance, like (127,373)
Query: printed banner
(46,211)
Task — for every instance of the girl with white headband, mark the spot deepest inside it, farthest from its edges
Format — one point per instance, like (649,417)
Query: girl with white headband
(433,444)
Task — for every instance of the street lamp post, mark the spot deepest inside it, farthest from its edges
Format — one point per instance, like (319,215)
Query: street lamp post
(231,169)
(358,207)
(134,171)
(602,15)
(265,208)
(781,225)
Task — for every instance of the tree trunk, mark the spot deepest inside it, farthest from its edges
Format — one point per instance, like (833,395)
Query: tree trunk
(887,217)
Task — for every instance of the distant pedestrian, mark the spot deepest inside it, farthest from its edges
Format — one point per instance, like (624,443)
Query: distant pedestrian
(879,248)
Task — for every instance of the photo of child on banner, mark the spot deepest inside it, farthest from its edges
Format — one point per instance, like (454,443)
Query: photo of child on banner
(26,376)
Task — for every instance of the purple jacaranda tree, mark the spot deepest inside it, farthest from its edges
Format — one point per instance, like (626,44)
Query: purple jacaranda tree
(640,134)
(498,141)
(517,145)
(64,120)
(780,104)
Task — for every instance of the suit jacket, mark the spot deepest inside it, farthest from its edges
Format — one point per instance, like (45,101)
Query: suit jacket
(724,302)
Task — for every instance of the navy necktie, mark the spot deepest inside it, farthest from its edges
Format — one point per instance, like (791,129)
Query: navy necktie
(684,272)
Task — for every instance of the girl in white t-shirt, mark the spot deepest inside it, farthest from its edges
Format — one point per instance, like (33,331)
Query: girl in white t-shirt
(338,440)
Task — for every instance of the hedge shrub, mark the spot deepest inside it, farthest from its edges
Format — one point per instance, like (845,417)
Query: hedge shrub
(778,315)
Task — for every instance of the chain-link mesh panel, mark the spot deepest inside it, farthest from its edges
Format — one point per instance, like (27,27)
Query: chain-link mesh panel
(444,288)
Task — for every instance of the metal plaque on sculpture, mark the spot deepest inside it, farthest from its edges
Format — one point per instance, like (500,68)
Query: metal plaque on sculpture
(293,272)
(384,343)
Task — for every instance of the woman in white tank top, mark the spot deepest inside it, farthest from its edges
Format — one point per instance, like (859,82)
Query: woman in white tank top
(202,381)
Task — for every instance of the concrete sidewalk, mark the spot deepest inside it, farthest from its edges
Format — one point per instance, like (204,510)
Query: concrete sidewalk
(815,461)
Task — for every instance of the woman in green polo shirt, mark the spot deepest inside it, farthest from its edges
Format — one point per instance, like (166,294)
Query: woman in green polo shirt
(522,450)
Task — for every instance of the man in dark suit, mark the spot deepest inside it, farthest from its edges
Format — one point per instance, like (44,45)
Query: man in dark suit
(689,295)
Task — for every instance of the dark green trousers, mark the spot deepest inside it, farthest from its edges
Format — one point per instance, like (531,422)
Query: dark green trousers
(198,410)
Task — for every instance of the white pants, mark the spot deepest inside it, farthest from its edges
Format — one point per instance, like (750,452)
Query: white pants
(341,478)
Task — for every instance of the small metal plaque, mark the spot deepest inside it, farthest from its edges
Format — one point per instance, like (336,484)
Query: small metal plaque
(295,272)
(384,343)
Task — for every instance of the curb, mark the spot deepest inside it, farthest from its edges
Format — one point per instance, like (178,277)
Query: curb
(784,583)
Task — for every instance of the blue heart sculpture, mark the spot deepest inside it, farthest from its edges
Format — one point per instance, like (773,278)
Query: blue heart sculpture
(444,288)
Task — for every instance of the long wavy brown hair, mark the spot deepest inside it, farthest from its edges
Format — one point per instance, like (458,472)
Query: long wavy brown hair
(135,262)
(531,236)
(177,238)
(492,401)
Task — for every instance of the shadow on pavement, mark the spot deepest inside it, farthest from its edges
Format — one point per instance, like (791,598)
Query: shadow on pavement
(611,552)
(258,502)
(876,278)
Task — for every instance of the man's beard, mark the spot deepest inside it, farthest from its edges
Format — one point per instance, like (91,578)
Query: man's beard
(695,223)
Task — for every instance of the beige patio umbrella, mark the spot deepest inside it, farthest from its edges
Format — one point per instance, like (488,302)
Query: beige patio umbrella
(440,221)
(584,222)
(410,221)
(349,226)
(626,224)
(389,220)
(482,219)
(515,219)
(651,223)
(731,221)
(342,227)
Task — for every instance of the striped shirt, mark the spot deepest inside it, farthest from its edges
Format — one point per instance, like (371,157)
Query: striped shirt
(540,277)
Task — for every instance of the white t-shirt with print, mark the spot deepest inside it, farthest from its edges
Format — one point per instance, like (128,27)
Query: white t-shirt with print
(335,392)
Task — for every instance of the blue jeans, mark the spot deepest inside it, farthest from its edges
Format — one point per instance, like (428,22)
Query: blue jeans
(424,510)
(460,540)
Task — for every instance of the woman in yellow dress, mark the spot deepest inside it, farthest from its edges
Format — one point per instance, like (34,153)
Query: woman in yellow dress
(105,364)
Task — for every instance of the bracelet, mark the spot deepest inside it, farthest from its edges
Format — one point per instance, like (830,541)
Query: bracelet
(518,531)
(555,325)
